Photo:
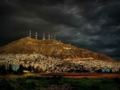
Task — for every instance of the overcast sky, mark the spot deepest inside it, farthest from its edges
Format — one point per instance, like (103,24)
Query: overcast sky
(89,24)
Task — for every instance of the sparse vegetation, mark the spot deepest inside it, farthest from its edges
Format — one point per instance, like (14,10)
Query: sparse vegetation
(59,83)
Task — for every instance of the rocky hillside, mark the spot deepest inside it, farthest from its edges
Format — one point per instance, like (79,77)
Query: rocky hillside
(51,48)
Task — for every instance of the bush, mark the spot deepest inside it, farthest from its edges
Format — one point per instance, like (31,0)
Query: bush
(31,83)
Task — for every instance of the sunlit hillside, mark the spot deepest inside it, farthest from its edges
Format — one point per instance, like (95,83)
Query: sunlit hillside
(51,48)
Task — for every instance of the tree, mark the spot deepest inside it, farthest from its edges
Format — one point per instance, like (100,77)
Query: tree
(20,70)
(3,70)
(10,69)
(30,68)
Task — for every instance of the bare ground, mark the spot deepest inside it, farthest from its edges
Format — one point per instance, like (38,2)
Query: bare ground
(85,75)
(66,75)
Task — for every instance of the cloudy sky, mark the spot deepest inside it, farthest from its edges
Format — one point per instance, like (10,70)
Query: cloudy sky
(89,24)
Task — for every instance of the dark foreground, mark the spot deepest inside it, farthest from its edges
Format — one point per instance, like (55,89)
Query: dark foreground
(59,83)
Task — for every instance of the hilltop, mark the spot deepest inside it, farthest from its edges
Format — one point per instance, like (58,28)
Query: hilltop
(52,48)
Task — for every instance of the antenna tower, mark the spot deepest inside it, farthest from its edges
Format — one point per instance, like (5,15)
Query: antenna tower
(36,35)
(43,36)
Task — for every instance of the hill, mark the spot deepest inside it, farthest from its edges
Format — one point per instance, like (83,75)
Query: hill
(51,48)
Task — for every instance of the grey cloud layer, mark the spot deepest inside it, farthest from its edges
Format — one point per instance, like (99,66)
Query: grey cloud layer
(90,24)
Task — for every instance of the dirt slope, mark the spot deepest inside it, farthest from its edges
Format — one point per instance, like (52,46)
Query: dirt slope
(52,48)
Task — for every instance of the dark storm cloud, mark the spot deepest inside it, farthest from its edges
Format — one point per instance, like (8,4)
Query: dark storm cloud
(90,24)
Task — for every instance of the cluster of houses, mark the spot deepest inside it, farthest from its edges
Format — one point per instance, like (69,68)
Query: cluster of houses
(49,64)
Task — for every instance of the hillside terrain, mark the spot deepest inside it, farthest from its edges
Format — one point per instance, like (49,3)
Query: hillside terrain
(52,48)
